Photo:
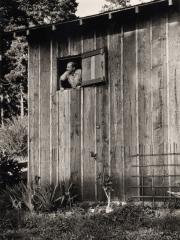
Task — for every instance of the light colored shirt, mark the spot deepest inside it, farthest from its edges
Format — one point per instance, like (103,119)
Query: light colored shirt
(74,79)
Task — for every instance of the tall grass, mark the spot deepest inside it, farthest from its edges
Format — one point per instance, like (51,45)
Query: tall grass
(13,137)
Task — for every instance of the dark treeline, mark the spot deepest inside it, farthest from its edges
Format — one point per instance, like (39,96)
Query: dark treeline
(16,14)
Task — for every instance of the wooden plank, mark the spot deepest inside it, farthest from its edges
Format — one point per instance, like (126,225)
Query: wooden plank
(130,106)
(30,113)
(102,120)
(63,45)
(64,136)
(174,88)
(159,95)
(88,129)
(116,109)
(92,53)
(86,70)
(54,112)
(66,133)
(45,110)
(61,144)
(75,123)
(63,51)
(145,96)
(33,110)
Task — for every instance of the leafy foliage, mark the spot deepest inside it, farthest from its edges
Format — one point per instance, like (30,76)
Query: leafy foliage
(106,183)
(45,11)
(10,172)
(20,196)
(46,198)
(13,137)
(113,4)
(21,13)
(49,198)
(15,14)
(125,223)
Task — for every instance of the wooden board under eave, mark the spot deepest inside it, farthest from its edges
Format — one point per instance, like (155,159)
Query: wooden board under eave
(33,110)
(115,58)
(130,107)
(144,34)
(89,171)
(174,92)
(102,121)
(159,101)
(45,111)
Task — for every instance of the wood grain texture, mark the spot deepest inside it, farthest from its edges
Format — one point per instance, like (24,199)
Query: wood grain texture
(159,94)
(33,110)
(174,89)
(88,128)
(75,123)
(102,120)
(45,110)
(54,112)
(116,108)
(61,142)
(64,136)
(130,98)
(145,98)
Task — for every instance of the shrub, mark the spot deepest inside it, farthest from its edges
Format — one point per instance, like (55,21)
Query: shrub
(49,198)
(20,196)
(10,172)
(13,137)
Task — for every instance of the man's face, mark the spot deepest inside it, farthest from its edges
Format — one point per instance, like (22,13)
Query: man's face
(70,68)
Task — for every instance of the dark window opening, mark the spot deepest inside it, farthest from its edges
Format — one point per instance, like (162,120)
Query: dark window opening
(88,69)
(62,68)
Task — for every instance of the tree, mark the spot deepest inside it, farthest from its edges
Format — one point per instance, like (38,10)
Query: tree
(46,11)
(113,4)
(18,14)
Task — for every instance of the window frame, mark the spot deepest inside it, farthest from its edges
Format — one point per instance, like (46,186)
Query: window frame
(103,79)
(80,57)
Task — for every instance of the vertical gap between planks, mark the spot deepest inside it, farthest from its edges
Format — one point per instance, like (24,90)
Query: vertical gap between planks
(142,171)
(39,112)
(69,152)
(50,120)
(95,120)
(151,84)
(151,97)
(28,169)
(82,128)
(122,101)
(137,113)
(69,120)
(168,122)
(109,93)
(57,118)
(153,172)
(57,122)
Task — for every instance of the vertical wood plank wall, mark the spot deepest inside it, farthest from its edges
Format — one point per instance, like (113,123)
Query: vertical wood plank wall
(138,111)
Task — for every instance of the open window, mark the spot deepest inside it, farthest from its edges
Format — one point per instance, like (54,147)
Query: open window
(92,65)
(62,65)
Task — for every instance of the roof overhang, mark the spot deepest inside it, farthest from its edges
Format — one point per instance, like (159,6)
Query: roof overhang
(93,19)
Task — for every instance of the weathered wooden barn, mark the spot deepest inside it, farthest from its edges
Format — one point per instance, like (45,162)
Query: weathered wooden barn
(126,115)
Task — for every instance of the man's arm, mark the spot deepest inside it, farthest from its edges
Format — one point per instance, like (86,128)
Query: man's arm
(64,76)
